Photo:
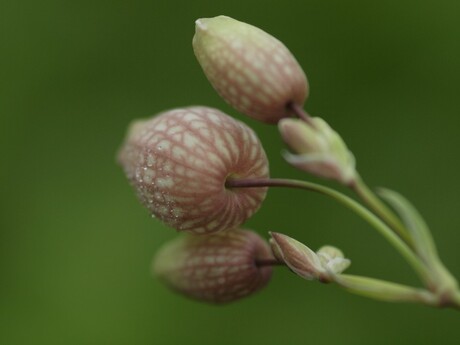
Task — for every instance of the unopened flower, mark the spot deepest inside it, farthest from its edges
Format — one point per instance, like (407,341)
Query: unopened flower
(318,149)
(253,71)
(179,161)
(303,261)
(298,257)
(332,259)
(217,268)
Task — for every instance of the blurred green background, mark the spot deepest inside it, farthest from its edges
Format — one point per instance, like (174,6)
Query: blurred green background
(76,245)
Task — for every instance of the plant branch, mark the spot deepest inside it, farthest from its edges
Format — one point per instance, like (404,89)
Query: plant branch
(375,204)
(268,262)
(364,213)
(301,114)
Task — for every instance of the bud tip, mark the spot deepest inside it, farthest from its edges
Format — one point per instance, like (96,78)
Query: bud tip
(201,24)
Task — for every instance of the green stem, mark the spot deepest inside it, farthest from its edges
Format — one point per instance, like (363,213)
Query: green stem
(268,262)
(443,283)
(364,213)
(301,114)
(375,204)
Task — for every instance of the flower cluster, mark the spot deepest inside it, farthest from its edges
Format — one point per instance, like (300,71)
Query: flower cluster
(180,161)
(201,171)
(204,174)
(192,167)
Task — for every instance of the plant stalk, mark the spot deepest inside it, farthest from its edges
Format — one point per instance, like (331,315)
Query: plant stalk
(364,213)
(375,204)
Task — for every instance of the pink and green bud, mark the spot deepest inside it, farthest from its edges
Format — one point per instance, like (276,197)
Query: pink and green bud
(303,261)
(218,268)
(179,161)
(250,69)
(298,257)
(318,149)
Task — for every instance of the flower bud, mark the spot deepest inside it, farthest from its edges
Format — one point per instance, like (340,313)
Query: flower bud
(250,69)
(318,149)
(218,268)
(179,161)
(303,261)
(276,251)
(298,257)
(333,259)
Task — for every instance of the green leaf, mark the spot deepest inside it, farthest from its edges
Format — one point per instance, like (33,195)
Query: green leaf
(419,231)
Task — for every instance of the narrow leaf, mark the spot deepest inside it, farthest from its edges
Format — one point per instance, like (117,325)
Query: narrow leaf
(423,240)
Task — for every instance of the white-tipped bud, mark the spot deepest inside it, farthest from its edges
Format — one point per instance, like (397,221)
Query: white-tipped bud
(318,149)
(250,69)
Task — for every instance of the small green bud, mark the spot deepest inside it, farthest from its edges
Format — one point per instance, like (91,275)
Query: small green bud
(333,259)
(318,149)
(250,69)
